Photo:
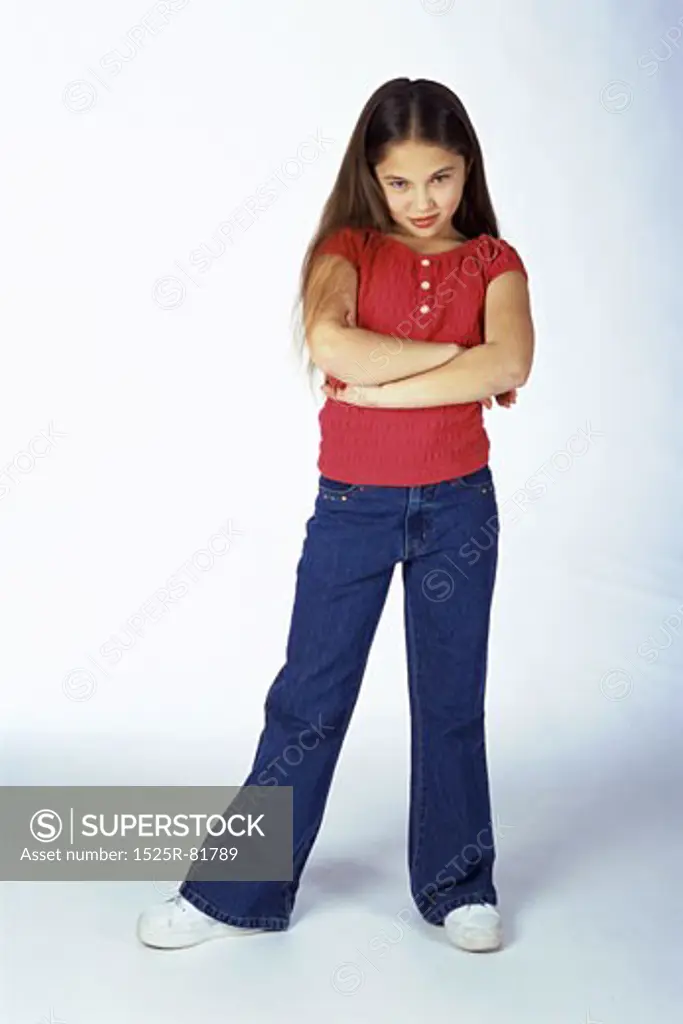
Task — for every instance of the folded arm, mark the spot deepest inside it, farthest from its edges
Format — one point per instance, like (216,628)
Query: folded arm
(356,356)
(501,363)
(352,354)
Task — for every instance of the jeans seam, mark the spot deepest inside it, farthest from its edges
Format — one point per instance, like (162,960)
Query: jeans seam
(305,845)
(420,789)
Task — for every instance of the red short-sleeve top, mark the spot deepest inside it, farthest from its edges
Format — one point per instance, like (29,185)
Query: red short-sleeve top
(407,295)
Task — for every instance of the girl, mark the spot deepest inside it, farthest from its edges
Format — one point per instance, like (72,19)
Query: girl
(418,313)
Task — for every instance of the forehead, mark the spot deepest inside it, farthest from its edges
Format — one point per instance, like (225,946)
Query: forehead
(416,159)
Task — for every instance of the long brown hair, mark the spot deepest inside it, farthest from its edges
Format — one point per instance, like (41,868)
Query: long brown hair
(400,110)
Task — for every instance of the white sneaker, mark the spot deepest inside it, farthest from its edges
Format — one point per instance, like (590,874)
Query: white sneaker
(177,923)
(475,927)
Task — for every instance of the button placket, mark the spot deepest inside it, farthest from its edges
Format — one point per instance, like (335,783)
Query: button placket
(425,285)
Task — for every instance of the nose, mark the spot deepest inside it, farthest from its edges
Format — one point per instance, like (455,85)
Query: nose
(424,204)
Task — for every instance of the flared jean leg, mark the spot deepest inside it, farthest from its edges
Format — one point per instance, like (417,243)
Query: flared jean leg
(342,580)
(448,589)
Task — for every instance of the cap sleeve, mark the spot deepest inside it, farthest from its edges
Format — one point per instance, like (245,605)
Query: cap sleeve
(502,257)
(346,242)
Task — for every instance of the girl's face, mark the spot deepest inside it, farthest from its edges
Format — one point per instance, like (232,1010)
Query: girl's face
(419,180)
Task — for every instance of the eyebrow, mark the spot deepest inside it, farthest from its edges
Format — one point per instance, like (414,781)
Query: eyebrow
(400,177)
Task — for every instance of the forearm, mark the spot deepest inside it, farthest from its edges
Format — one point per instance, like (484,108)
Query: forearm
(480,372)
(357,356)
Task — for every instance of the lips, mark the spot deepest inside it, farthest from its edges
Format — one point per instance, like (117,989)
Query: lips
(425,222)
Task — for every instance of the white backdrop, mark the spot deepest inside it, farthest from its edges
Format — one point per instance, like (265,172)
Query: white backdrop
(145,305)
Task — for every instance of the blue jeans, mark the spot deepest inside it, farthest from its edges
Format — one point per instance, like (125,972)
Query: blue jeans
(446,537)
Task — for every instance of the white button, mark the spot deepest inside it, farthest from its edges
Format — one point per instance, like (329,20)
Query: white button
(424,309)
(425,263)
(425,284)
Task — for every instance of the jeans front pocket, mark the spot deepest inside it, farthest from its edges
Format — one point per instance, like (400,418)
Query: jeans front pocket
(335,490)
(480,480)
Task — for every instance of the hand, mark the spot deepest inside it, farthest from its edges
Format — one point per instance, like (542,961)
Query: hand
(507,399)
(354,394)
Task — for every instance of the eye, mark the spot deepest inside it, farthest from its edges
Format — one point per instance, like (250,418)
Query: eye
(442,177)
(394,183)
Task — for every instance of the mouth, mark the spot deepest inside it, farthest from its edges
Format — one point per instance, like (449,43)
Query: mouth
(425,222)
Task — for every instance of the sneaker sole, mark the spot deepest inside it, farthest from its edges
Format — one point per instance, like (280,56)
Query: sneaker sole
(479,946)
(184,942)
